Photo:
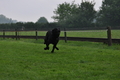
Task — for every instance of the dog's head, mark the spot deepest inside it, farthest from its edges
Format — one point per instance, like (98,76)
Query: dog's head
(56,32)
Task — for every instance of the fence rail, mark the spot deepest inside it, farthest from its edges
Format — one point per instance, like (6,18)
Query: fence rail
(104,40)
(107,40)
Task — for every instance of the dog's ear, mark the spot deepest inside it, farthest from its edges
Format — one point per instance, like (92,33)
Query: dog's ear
(55,30)
(59,29)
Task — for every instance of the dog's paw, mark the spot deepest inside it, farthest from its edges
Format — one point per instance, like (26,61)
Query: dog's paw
(57,48)
(46,48)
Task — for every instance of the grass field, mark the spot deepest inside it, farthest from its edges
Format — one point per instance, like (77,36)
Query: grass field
(25,59)
(79,33)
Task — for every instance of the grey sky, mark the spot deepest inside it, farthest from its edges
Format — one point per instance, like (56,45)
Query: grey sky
(32,10)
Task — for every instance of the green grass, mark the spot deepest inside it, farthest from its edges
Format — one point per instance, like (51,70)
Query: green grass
(88,33)
(26,60)
(115,34)
(79,33)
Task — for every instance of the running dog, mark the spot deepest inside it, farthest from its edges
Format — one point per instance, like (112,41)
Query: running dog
(52,37)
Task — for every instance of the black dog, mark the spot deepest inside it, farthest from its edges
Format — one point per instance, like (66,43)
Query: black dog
(52,37)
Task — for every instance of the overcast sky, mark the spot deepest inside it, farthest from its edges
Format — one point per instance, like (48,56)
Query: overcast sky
(32,10)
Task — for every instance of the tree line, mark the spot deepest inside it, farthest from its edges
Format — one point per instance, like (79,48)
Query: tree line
(28,26)
(84,14)
(41,23)
(71,15)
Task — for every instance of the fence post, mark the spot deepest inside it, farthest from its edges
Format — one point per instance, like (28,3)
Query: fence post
(65,34)
(109,36)
(3,34)
(36,34)
(16,34)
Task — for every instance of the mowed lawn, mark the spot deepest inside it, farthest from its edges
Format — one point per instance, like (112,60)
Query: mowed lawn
(26,59)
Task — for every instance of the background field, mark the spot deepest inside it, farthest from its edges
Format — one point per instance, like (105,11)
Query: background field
(79,33)
(25,59)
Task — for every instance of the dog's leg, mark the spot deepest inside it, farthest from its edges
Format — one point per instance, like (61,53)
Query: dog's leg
(57,48)
(47,47)
(54,46)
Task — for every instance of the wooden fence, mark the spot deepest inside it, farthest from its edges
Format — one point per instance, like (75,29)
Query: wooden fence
(107,40)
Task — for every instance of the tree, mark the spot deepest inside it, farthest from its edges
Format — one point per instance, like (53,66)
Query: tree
(64,11)
(84,15)
(4,19)
(42,20)
(74,15)
(110,13)
(87,13)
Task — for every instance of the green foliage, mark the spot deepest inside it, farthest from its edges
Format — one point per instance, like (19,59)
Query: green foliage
(73,15)
(87,13)
(64,11)
(26,60)
(110,13)
(28,26)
